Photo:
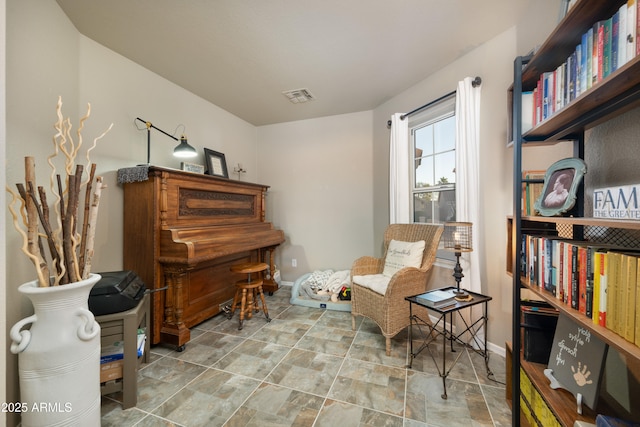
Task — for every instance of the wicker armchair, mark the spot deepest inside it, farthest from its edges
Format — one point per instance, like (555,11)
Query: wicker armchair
(391,311)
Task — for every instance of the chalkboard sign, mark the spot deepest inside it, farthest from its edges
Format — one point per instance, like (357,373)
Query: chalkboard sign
(577,360)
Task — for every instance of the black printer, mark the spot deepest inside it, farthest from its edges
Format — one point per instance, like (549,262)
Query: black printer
(115,292)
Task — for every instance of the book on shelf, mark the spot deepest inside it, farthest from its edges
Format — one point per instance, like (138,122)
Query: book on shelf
(613,267)
(629,285)
(632,15)
(115,351)
(531,190)
(600,288)
(602,49)
(582,279)
(527,111)
(437,298)
(637,313)
(599,280)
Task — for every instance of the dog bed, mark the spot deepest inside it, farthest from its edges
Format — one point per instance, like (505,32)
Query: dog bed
(298,298)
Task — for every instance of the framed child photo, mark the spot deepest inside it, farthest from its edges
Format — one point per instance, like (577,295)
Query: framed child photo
(561,183)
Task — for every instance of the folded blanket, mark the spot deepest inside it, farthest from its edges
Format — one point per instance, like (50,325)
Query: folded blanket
(322,285)
(337,280)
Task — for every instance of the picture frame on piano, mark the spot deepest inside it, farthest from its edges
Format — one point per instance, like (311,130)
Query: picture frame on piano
(192,167)
(216,163)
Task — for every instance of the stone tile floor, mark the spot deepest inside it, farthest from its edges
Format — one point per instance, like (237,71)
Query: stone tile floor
(307,367)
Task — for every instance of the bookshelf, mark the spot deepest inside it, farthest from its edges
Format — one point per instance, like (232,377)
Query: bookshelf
(610,97)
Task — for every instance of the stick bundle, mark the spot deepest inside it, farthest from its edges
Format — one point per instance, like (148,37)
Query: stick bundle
(70,252)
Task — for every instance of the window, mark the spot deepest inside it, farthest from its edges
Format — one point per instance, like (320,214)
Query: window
(433,140)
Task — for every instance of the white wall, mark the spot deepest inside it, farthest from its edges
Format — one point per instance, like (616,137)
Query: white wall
(41,63)
(320,172)
(493,62)
(47,57)
(3,253)
(119,91)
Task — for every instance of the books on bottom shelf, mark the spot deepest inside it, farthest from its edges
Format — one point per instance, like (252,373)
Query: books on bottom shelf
(437,298)
(115,351)
(112,358)
(601,281)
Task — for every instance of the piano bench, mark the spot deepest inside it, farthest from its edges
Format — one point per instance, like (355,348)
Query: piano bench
(248,291)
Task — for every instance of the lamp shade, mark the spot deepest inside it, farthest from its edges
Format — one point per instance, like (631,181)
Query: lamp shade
(184,150)
(458,236)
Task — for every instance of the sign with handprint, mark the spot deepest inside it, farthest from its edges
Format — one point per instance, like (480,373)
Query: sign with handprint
(577,360)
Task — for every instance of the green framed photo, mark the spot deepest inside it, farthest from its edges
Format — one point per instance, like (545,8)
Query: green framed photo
(561,183)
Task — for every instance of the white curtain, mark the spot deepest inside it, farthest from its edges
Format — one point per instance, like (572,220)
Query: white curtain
(468,178)
(399,173)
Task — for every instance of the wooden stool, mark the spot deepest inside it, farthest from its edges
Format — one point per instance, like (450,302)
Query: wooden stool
(247,291)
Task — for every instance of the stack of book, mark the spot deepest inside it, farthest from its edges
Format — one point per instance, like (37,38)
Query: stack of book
(604,48)
(437,298)
(531,190)
(600,281)
(112,357)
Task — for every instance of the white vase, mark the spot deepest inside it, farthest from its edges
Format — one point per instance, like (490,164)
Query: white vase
(59,356)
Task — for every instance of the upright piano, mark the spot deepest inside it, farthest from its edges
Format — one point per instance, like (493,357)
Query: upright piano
(182,232)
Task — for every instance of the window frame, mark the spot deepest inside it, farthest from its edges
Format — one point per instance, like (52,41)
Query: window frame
(430,115)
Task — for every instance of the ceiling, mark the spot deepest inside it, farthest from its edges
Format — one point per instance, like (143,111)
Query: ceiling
(352,55)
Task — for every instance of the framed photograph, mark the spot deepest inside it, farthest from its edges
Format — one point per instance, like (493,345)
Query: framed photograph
(216,163)
(191,167)
(561,183)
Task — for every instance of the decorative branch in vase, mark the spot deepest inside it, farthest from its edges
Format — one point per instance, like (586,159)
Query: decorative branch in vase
(70,251)
(58,347)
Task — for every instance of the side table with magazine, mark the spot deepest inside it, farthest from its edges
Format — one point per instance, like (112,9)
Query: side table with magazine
(442,302)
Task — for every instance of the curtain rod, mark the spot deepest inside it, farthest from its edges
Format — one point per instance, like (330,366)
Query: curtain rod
(476,82)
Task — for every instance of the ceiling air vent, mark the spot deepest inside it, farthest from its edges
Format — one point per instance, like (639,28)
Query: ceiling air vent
(298,96)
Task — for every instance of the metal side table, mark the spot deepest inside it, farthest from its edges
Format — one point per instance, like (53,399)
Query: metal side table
(446,317)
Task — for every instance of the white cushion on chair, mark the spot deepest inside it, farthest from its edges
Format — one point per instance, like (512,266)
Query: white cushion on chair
(376,282)
(401,255)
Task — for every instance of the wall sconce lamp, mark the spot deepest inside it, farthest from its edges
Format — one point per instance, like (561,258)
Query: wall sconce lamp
(183,150)
(457,238)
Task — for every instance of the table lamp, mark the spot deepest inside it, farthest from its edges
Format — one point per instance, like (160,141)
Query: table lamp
(183,150)
(457,238)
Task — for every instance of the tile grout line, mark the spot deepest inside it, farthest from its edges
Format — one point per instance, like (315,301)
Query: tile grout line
(328,349)
(263,381)
(337,374)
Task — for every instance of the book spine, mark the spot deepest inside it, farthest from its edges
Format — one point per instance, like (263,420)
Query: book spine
(569,278)
(602,308)
(637,312)
(636,17)
(622,35)
(631,28)
(594,54)
(601,63)
(548,266)
(597,271)
(629,294)
(606,49)
(612,291)
(575,274)
(582,280)
(615,28)
(589,295)
(561,271)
